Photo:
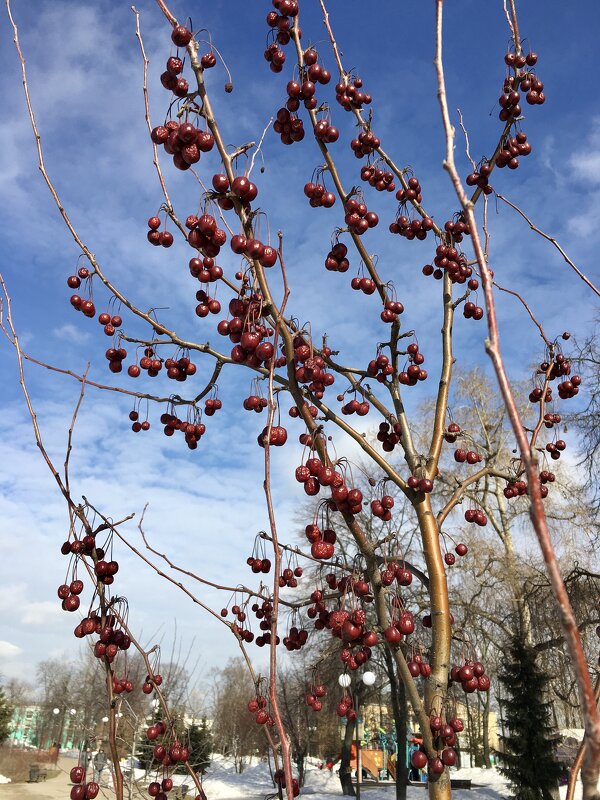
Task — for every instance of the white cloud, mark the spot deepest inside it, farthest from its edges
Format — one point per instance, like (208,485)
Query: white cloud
(40,613)
(585,161)
(8,650)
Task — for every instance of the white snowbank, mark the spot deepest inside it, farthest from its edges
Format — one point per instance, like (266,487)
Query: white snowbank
(221,781)
(4,780)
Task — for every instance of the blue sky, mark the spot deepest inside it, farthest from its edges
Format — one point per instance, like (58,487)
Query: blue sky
(85,82)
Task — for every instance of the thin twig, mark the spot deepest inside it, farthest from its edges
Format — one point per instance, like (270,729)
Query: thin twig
(589,708)
(552,241)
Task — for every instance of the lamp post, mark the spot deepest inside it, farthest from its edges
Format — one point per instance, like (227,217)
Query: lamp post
(368,678)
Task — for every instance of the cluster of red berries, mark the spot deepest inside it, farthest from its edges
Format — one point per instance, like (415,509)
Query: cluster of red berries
(205,269)
(136,425)
(289,127)
(310,367)
(470,456)
(258,707)
(115,357)
(105,571)
(289,577)
(274,55)
(383,508)
(342,498)
(536,395)
(351,94)
(151,682)
(193,431)
(363,284)
(420,484)
(294,411)
(255,403)
(301,92)
(513,148)
(296,639)
(148,362)
(326,132)
(389,435)
(411,229)
(121,685)
(110,323)
(477,516)
(318,196)
(448,259)
(171,78)
(277,436)
(556,448)
(87,307)
(480,178)
(81,790)
(211,405)
(322,542)
(414,371)
(336,260)
(160,789)
(412,193)
(158,238)
(183,141)
(418,667)
(395,571)
(355,406)
(169,756)
(180,369)
(358,218)
(471,675)
(403,626)
(205,235)
(534,87)
(509,101)
(380,368)
(280,19)
(313,698)
(206,304)
(365,144)
(254,249)
(472,311)
(279,778)
(246,332)
(519,488)
(316,72)
(380,179)
(569,388)
(345,708)
(259,564)
(264,613)
(242,188)
(444,739)
(391,311)
(110,639)
(451,432)
(69,594)
(551,419)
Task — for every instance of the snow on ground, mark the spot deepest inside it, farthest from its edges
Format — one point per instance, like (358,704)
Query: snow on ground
(4,780)
(221,782)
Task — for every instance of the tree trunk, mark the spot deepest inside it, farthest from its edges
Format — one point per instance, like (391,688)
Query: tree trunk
(345,770)
(470,730)
(487,762)
(398,697)
(440,789)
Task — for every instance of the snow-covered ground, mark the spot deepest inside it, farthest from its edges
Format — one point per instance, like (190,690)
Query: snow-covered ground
(221,782)
(4,780)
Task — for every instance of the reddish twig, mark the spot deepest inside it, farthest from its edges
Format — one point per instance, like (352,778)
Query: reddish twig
(589,708)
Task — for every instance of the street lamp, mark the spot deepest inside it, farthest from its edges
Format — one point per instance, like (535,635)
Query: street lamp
(368,678)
